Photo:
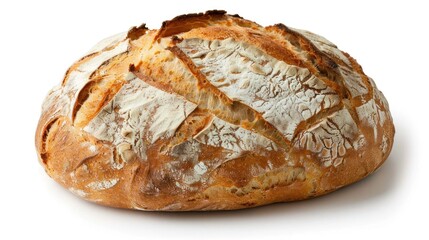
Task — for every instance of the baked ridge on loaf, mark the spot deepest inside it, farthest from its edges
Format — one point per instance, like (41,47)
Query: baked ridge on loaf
(212,112)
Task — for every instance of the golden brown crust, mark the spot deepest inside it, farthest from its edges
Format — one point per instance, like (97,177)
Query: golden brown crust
(186,22)
(164,120)
(136,32)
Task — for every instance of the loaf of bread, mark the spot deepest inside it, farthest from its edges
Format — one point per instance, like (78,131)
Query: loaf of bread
(212,112)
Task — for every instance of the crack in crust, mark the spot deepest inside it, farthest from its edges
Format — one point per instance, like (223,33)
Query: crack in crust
(259,125)
(175,74)
(285,95)
(184,23)
(43,153)
(315,60)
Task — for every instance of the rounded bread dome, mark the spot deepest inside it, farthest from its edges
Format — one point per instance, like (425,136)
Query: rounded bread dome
(212,112)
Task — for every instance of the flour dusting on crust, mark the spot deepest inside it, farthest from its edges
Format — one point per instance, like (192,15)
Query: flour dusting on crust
(79,77)
(285,95)
(232,137)
(139,115)
(108,42)
(332,138)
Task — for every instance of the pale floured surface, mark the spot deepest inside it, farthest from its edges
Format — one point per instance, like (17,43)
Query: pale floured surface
(103,185)
(186,153)
(286,95)
(77,79)
(138,115)
(108,42)
(78,192)
(232,137)
(57,102)
(331,139)
(371,115)
(352,81)
(384,144)
(200,168)
(234,141)
(379,96)
(62,98)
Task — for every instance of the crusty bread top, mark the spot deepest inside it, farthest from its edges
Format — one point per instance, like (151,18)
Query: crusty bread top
(218,84)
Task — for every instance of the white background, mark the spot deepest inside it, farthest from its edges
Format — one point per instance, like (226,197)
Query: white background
(40,39)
